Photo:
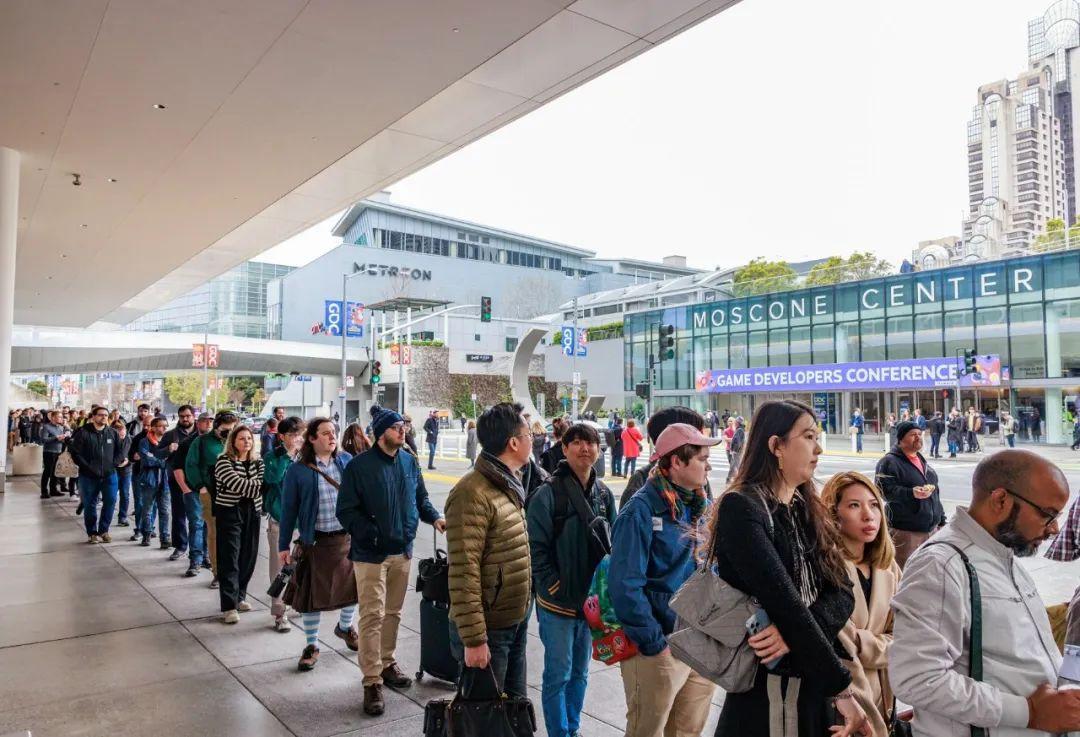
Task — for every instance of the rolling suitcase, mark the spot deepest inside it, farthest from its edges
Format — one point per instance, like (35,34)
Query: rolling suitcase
(433,584)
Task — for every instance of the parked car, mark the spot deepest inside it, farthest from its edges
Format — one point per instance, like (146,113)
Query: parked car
(255,423)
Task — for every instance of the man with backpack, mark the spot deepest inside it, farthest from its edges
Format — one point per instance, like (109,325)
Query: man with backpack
(569,521)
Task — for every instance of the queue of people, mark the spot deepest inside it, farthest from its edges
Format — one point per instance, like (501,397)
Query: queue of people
(863,588)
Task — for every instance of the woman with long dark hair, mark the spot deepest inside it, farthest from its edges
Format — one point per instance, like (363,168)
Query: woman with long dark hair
(354,441)
(793,567)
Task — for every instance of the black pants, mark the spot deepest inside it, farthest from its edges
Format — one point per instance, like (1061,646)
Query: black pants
(237,550)
(935,445)
(178,521)
(49,482)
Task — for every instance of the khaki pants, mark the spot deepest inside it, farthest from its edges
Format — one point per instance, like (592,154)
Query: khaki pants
(277,606)
(906,543)
(380,589)
(664,697)
(211,529)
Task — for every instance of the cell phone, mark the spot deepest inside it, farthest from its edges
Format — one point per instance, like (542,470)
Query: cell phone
(758,623)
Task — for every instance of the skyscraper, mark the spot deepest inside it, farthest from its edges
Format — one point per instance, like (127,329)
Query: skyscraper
(1016,171)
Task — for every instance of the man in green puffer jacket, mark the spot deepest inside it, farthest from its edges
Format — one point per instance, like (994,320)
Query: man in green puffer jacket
(488,551)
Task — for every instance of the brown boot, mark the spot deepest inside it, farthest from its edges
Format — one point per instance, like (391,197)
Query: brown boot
(308,658)
(351,637)
(392,676)
(373,700)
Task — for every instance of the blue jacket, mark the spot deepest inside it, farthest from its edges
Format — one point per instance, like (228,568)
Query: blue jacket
(857,422)
(300,501)
(152,460)
(651,557)
(381,503)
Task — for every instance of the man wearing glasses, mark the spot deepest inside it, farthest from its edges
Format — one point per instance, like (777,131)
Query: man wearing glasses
(96,450)
(381,502)
(1017,497)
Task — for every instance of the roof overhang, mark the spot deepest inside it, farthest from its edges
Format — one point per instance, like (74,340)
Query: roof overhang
(277,114)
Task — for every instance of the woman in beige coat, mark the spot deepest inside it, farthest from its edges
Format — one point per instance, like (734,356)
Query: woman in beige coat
(858,507)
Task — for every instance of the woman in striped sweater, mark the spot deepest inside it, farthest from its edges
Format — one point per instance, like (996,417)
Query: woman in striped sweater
(237,493)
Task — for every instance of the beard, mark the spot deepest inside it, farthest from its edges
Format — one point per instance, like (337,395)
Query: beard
(1008,535)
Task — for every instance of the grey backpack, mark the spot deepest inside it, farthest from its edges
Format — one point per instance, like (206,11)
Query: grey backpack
(710,629)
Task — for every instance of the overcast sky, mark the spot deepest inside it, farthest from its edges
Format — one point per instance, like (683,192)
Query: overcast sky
(782,128)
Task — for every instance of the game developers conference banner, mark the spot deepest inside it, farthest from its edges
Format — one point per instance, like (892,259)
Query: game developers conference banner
(917,373)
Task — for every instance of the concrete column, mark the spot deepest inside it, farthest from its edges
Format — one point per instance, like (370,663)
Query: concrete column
(1052,420)
(9,219)
(840,337)
(1053,416)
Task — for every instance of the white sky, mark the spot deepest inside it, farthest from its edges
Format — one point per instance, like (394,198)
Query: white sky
(780,128)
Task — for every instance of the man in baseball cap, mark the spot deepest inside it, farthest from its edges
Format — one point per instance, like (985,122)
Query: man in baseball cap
(651,557)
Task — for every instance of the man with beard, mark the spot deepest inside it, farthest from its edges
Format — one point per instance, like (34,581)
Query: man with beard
(1017,497)
(174,466)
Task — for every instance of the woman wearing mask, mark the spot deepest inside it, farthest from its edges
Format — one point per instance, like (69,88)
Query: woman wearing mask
(631,440)
(238,478)
(324,579)
(539,439)
(793,566)
(858,508)
(290,436)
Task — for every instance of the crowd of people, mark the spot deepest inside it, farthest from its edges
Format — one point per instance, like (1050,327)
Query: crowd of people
(862,592)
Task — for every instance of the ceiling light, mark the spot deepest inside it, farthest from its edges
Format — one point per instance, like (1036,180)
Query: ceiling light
(159,106)
(111,179)
(84,225)
(455,30)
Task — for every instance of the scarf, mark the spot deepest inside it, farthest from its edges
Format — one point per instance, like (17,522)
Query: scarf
(677,498)
(497,472)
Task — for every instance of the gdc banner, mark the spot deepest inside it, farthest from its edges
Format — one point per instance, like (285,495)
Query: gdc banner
(916,373)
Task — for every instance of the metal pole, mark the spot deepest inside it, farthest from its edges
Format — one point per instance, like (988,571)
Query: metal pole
(303,398)
(400,376)
(206,367)
(405,371)
(573,367)
(343,329)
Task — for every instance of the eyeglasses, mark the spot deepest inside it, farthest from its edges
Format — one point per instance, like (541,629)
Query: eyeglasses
(1049,515)
(398,427)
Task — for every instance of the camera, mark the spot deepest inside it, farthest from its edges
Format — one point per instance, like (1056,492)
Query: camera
(277,586)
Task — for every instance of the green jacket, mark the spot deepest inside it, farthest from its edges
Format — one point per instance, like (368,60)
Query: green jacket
(275,464)
(558,544)
(199,466)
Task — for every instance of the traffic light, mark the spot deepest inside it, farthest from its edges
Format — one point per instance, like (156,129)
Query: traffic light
(376,371)
(969,362)
(485,309)
(946,394)
(642,389)
(667,343)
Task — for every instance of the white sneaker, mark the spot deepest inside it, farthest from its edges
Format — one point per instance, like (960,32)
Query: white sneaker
(281,624)
(243,607)
(231,617)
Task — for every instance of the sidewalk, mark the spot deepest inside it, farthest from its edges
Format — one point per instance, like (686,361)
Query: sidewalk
(874,446)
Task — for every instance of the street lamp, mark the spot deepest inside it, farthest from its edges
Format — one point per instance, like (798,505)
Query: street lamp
(344,330)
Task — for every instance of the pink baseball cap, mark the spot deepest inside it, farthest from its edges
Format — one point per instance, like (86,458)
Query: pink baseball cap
(677,435)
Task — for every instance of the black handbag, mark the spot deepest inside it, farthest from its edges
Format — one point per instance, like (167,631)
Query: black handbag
(975,667)
(491,715)
(433,578)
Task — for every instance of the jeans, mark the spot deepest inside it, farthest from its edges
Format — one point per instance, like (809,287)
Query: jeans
(858,442)
(507,648)
(616,464)
(935,445)
(152,495)
(179,527)
(238,550)
(631,466)
(1011,440)
(123,481)
(196,529)
(91,489)
(138,500)
(953,448)
(567,651)
(48,472)
(431,455)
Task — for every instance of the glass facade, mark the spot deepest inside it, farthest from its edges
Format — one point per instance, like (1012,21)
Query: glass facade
(1027,310)
(231,304)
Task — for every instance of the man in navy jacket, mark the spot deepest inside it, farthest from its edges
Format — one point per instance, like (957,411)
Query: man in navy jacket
(381,503)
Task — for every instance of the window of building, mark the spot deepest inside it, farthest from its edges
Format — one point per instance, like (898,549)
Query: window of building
(511,345)
(758,349)
(778,347)
(929,341)
(899,340)
(959,332)
(872,339)
(799,346)
(738,351)
(1026,347)
(476,337)
(824,348)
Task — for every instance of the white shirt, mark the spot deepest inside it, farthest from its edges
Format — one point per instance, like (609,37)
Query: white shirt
(928,662)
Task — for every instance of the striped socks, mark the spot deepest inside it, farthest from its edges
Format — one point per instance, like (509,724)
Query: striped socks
(311,620)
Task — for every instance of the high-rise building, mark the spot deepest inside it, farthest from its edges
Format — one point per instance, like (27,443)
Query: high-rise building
(1054,46)
(1016,172)
(233,303)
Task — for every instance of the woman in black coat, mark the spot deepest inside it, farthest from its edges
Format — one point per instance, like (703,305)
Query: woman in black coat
(793,567)
(956,433)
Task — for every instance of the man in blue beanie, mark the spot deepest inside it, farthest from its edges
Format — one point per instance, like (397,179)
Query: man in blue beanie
(381,503)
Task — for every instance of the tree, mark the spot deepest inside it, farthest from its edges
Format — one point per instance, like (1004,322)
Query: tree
(37,386)
(1054,238)
(186,388)
(860,265)
(761,276)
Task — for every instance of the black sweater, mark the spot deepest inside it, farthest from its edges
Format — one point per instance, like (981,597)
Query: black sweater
(897,477)
(760,565)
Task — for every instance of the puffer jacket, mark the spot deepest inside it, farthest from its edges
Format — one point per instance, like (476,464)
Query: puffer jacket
(488,551)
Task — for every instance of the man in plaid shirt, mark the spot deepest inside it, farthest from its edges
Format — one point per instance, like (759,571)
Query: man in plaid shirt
(1066,548)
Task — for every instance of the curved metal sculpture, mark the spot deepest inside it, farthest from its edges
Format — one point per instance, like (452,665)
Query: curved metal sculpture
(519,369)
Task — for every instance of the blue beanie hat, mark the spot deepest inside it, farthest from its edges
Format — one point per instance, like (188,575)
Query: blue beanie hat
(382,419)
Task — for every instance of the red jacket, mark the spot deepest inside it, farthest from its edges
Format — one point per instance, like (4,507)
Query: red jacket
(631,436)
